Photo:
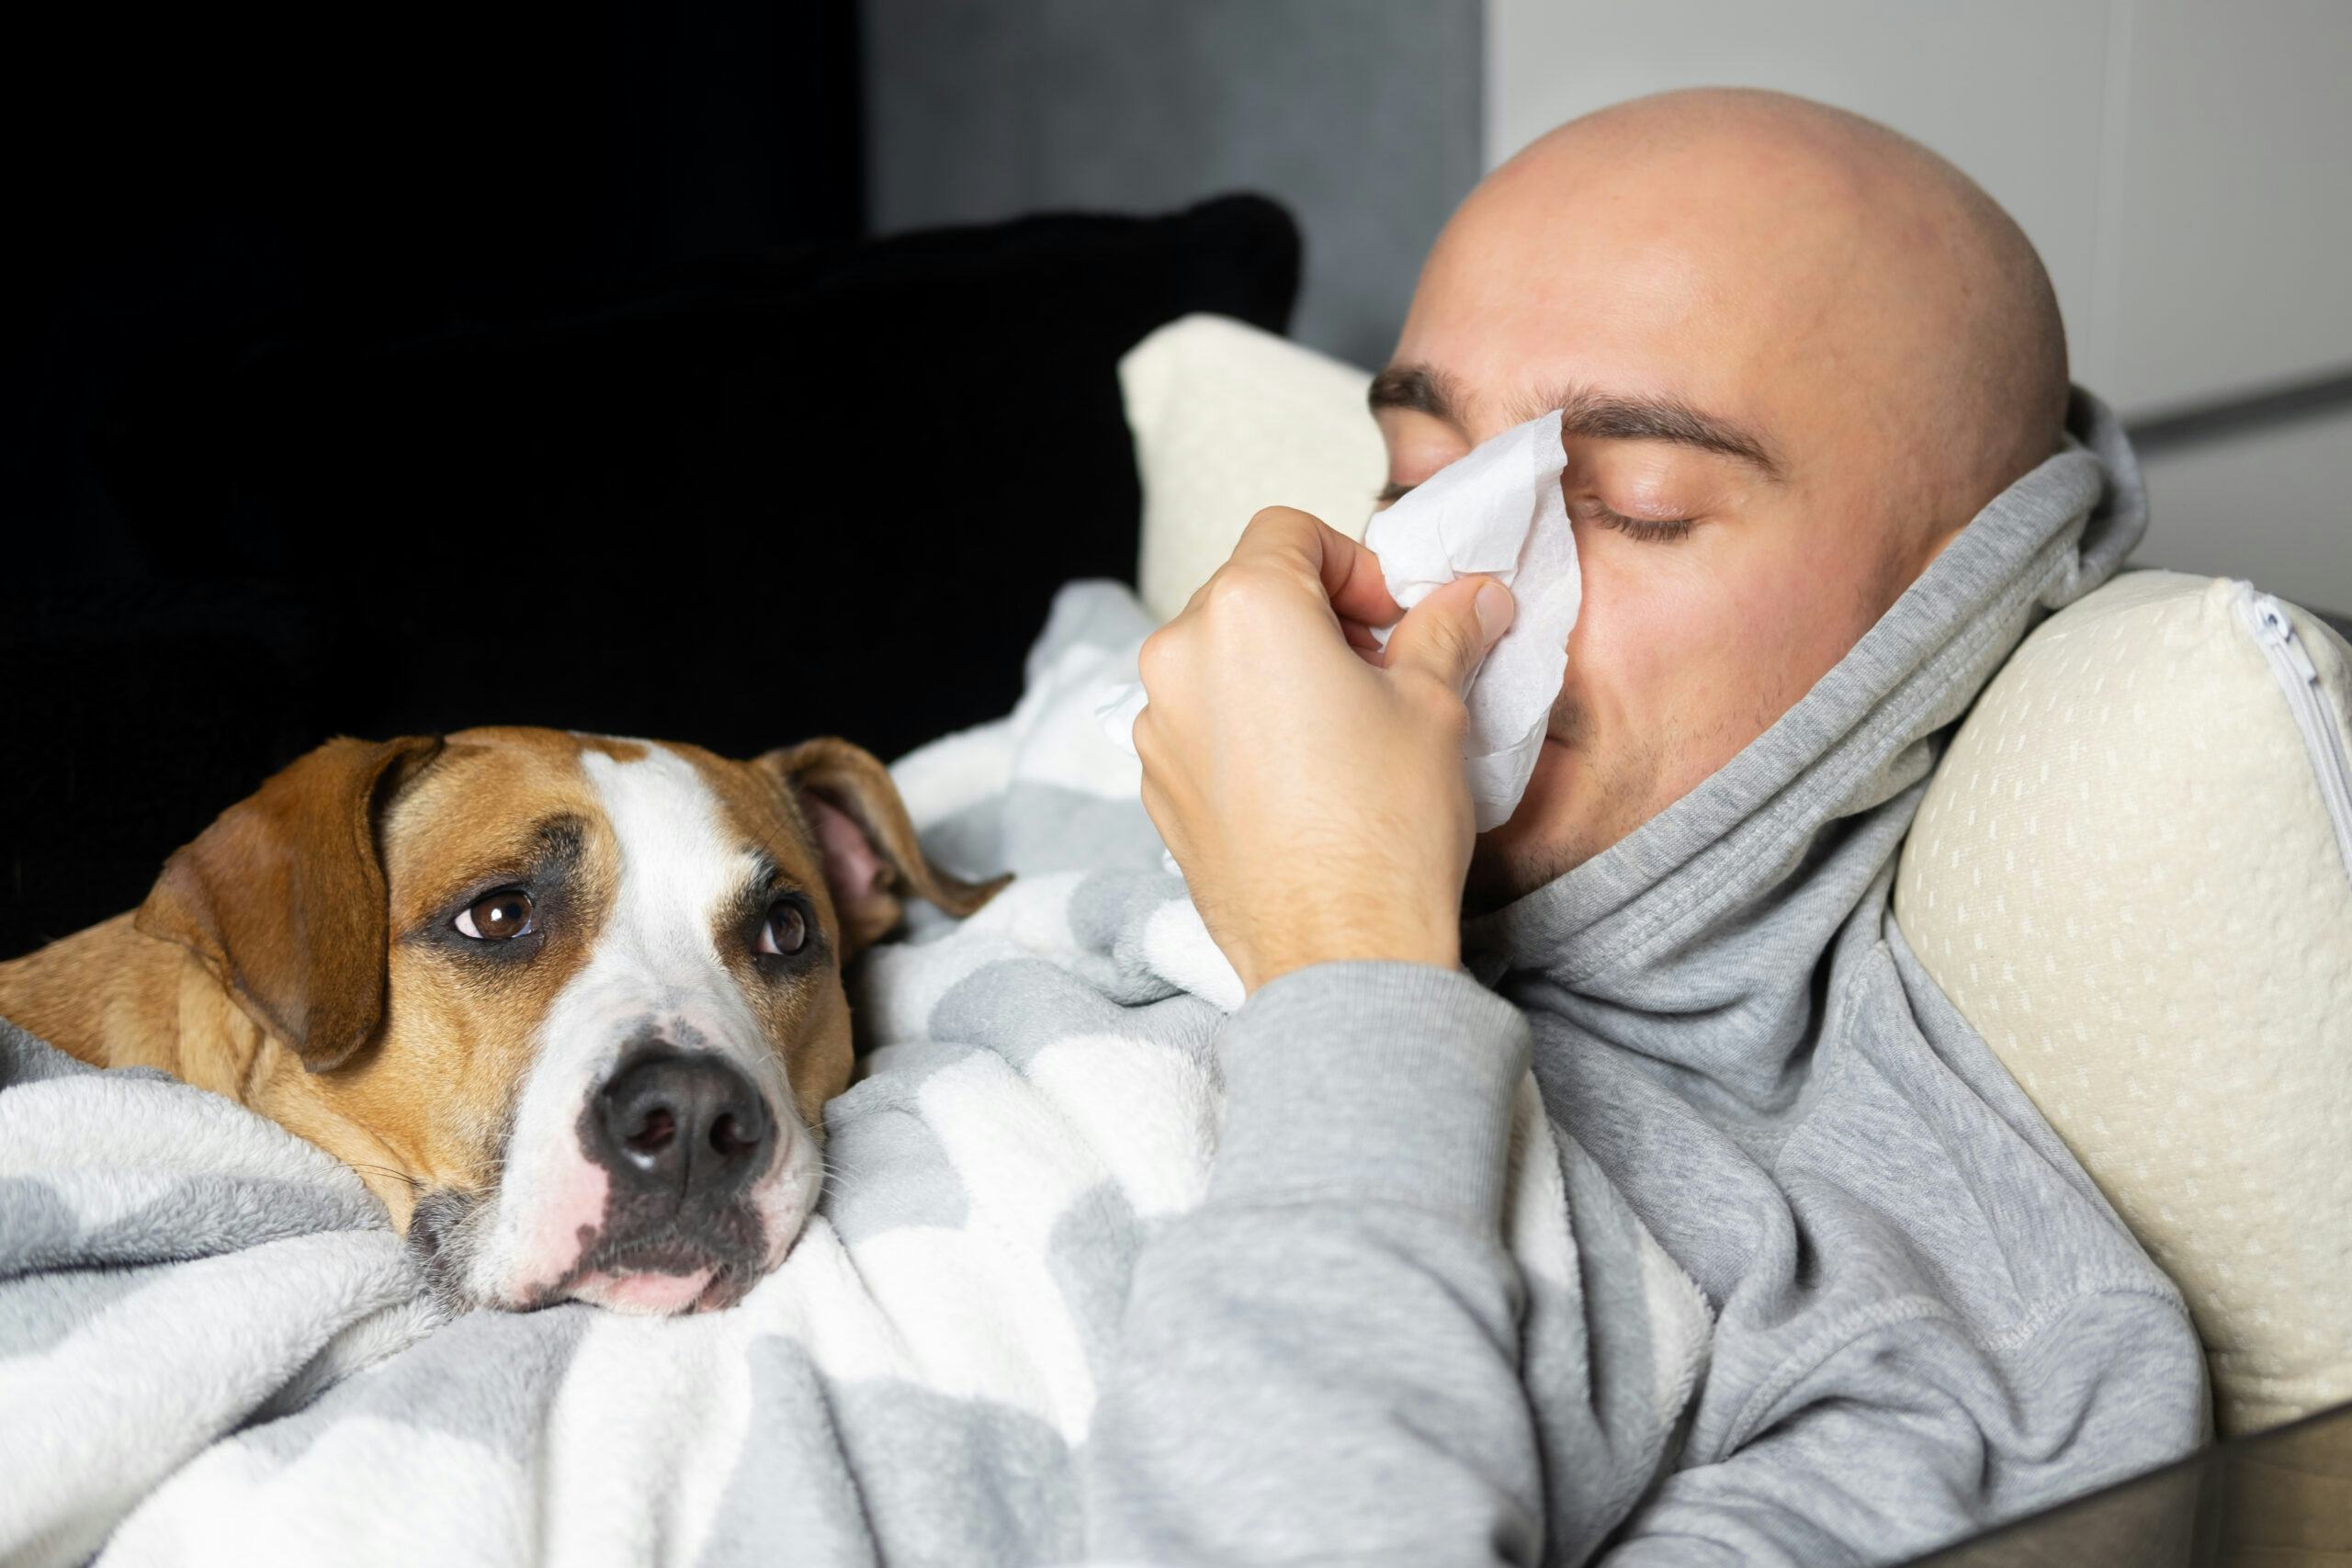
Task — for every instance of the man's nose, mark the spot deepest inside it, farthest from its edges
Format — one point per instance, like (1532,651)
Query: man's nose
(692,1127)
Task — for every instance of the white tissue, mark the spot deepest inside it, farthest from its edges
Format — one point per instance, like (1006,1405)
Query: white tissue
(1118,711)
(1498,512)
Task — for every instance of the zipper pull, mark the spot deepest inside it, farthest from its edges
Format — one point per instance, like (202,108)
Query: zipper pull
(2280,629)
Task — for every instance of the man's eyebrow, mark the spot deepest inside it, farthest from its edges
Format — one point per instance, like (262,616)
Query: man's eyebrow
(1600,416)
(1419,389)
(1595,415)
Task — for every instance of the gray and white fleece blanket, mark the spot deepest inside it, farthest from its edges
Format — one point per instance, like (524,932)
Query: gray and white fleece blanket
(213,1347)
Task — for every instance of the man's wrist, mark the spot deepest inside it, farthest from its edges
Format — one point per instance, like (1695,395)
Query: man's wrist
(1290,947)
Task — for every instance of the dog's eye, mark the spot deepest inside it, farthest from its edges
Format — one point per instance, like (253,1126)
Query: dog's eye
(497,916)
(785,932)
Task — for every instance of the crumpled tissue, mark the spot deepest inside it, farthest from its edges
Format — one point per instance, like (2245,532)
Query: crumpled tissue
(1498,512)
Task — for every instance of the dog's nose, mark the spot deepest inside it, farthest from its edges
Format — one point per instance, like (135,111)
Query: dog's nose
(690,1125)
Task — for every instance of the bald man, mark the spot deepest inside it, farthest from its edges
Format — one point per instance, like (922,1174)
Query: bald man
(1825,472)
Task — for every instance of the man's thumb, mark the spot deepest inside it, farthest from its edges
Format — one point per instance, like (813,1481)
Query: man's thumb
(1448,633)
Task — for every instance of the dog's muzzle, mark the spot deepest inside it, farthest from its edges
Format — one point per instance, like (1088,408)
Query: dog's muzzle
(682,1138)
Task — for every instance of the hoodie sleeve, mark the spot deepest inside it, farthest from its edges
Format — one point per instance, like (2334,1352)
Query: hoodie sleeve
(1913,1434)
(1321,1361)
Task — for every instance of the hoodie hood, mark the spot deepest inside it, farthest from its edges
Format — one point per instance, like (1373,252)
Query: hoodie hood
(1697,939)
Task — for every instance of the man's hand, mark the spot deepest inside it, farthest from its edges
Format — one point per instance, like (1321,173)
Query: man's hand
(1310,787)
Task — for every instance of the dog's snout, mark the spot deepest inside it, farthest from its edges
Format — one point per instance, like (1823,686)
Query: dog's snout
(689,1125)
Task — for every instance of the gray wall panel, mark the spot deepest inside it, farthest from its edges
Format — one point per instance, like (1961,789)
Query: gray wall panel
(1360,115)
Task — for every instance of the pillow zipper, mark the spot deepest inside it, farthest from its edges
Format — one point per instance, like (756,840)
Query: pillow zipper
(2274,631)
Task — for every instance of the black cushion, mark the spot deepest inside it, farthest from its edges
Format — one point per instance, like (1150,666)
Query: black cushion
(737,503)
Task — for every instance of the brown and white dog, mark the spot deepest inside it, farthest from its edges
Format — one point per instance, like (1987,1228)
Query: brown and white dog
(570,1006)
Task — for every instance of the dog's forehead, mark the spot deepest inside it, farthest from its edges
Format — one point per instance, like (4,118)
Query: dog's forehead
(490,796)
(485,798)
(755,805)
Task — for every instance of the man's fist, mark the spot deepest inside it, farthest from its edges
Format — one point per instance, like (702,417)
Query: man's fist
(1310,786)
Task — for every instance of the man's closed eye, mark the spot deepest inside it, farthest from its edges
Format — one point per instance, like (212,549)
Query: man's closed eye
(1648,530)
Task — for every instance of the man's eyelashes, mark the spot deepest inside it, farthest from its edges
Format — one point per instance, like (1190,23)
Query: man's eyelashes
(1661,530)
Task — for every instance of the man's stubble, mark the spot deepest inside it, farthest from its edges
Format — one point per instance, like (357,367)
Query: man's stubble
(1608,795)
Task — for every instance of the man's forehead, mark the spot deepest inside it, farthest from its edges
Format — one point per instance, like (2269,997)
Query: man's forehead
(1585,410)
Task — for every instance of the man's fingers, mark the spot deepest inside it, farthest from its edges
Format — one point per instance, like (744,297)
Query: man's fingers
(1448,633)
(1363,593)
(1350,574)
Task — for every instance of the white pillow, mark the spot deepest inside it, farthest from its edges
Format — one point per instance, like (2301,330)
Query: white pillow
(2128,877)
(1226,420)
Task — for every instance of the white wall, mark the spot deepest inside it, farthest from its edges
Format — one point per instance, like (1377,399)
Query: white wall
(2184,169)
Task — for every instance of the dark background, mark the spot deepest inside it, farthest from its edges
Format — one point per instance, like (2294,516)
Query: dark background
(399,371)
(381,372)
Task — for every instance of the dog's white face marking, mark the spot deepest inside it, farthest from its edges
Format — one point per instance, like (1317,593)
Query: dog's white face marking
(654,976)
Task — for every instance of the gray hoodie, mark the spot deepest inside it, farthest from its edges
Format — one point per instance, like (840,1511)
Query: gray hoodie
(1927,1318)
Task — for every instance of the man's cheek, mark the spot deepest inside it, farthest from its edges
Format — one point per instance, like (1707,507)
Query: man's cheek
(1784,605)
(1623,657)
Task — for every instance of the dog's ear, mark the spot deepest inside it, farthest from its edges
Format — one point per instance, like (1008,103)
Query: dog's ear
(861,827)
(283,897)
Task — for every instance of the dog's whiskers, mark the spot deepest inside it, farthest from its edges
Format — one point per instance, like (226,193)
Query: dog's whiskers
(414,1184)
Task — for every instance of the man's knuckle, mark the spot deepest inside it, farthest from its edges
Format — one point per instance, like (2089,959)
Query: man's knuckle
(1238,591)
(1278,519)
(1155,660)
(1457,644)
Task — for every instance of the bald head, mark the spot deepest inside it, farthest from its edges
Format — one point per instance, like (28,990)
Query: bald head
(1794,353)
(1787,245)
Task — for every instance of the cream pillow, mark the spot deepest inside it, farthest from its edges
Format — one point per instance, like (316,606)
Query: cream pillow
(1228,419)
(2129,878)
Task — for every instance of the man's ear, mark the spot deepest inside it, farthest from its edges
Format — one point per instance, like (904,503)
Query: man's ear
(862,829)
(283,897)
